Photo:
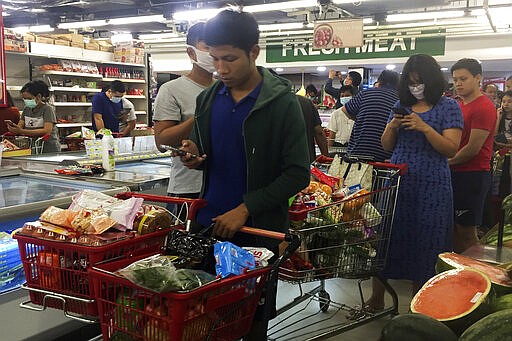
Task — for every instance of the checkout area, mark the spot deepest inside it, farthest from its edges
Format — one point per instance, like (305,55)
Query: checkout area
(28,185)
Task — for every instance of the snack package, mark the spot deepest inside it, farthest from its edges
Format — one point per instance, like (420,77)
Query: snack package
(159,274)
(150,218)
(195,250)
(57,216)
(261,255)
(231,259)
(88,134)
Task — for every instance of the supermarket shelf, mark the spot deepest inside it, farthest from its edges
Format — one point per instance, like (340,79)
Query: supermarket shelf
(71,125)
(140,112)
(124,80)
(123,64)
(72,104)
(134,96)
(75,74)
(73,89)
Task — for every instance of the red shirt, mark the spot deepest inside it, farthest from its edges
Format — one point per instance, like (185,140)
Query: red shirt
(478,114)
(8,113)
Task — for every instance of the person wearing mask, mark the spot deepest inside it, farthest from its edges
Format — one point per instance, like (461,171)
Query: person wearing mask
(38,117)
(250,138)
(471,175)
(353,78)
(174,112)
(108,111)
(503,138)
(312,94)
(423,131)
(370,111)
(340,126)
(10,113)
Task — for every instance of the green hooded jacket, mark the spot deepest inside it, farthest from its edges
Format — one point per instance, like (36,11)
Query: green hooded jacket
(275,147)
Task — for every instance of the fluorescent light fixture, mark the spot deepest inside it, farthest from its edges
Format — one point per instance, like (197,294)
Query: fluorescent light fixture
(156,36)
(390,67)
(321,68)
(279,69)
(342,1)
(5,14)
(343,72)
(136,20)
(121,37)
(279,6)
(199,14)
(36,10)
(34,29)
(285,26)
(424,16)
(80,24)
(444,69)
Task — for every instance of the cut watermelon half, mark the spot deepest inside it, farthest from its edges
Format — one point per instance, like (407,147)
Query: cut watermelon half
(499,277)
(456,297)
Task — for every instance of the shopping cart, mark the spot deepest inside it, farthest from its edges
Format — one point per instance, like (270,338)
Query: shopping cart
(57,273)
(27,145)
(221,310)
(345,239)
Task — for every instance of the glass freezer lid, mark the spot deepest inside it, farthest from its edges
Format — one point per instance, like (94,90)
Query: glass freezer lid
(54,158)
(27,189)
(144,168)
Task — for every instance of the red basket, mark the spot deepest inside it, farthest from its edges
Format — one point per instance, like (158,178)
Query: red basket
(57,273)
(221,310)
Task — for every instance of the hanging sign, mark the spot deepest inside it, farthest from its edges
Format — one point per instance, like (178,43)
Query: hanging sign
(338,33)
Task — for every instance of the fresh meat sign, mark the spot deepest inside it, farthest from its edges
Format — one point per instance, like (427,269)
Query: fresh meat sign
(339,33)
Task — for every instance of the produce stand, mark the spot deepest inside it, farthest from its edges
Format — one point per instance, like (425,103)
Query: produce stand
(220,310)
(57,273)
(346,239)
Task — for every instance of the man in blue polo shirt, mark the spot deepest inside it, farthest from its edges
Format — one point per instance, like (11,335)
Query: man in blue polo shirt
(107,109)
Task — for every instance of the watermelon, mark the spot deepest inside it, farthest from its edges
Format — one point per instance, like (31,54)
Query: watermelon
(502,303)
(457,297)
(494,327)
(416,327)
(502,283)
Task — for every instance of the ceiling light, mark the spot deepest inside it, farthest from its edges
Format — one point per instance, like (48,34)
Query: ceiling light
(137,20)
(199,14)
(80,24)
(367,21)
(424,16)
(321,68)
(444,69)
(390,67)
(33,29)
(279,6)
(36,10)
(155,36)
(285,26)
(5,14)
(279,69)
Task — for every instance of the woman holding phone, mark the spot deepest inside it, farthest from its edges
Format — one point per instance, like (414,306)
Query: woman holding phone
(423,131)
(38,118)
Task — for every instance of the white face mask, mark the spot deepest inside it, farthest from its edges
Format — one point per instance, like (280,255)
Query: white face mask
(204,60)
(417,91)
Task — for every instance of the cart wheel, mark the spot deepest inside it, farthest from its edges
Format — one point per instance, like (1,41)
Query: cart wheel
(325,300)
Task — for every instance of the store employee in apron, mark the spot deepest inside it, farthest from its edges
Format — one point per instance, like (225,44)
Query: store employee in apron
(110,110)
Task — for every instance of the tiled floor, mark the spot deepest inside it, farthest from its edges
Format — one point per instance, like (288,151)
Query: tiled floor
(305,320)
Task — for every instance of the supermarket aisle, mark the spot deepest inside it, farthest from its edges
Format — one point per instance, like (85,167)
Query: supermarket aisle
(341,291)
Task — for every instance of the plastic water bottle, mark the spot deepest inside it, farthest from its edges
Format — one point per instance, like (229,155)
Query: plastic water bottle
(107,154)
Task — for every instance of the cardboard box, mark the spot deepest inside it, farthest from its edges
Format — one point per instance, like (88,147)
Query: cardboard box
(29,37)
(92,45)
(44,40)
(61,42)
(75,44)
(70,37)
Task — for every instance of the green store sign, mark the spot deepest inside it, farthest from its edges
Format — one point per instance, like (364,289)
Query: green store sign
(399,44)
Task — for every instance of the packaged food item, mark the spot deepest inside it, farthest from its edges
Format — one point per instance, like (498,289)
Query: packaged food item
(232,260)
(261,255)
(150,218)
(196,250)
(88,134)
(57,216)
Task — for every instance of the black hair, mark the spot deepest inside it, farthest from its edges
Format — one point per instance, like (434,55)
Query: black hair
(118,86)
(311,88)
(429,73)
(388,78)
(349,88)
(195,34)
(36,88)
(470,64)
(8,96)
(489,84)
(356,78)
(501,123)
(507,93)
(238,29)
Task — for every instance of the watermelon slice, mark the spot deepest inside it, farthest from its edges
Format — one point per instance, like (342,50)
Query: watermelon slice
(499,277)
(457,297)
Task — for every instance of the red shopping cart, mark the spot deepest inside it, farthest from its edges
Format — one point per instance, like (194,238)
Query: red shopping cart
(57,273)
(221,310)
(344,239)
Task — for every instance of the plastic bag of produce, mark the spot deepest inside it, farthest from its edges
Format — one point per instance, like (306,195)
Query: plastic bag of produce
(159,274)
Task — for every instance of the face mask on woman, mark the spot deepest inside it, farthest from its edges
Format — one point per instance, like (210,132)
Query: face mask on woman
(204,60)
(417,91)
(30,103)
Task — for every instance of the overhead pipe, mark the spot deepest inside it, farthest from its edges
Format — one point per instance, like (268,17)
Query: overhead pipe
(488,15)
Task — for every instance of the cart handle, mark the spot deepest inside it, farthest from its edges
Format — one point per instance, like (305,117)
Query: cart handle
(401,167)
(263,233)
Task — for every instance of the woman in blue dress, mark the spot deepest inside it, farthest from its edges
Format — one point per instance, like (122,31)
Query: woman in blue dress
(423,131)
